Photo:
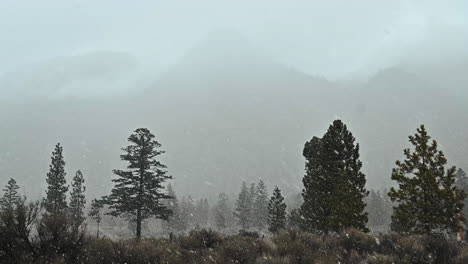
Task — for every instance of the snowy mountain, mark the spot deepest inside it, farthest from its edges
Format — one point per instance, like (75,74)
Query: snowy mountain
(226,113)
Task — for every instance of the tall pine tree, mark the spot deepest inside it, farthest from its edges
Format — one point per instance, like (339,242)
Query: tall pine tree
(56,200)
(260,206)
(276,212)
(428,200)
(54,228)
(139,191)
(334,186)
(243,207)
(77,201)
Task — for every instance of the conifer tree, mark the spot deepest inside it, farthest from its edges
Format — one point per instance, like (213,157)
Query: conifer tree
(221,211)
(260,206)
(294,219)
(243,207)
(54,227)
(174,221)
(55,201)
(334,186)
(10,196)
(77,201)
(138,191)
(251,196)
(462,184)
(96,213)
(276,212)
(428,200)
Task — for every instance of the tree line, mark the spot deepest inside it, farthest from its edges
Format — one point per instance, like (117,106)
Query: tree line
(428,197)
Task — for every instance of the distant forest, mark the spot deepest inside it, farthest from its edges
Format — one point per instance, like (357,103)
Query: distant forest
(429,201)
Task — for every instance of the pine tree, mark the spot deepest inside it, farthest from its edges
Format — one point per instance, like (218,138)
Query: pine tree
(295,219)
(174,221)
(334,186)
(54,227)
(55,201)
(221,211)
(138,191)
(77,201)
(243,207)
(251,196)
(462,184)
(276,212)
(427,197)
(260,206)
(96,213)
(10,196)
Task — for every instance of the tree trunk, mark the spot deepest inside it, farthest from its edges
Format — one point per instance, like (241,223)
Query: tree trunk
(138,227)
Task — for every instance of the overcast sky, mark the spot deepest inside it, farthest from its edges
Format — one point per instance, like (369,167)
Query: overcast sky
(333,38)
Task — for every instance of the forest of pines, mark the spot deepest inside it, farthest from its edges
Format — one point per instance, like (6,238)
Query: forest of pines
(335,219)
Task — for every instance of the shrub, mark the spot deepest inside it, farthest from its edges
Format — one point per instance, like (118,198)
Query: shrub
(381,259)
(201,239)
(412,249)
(251,234)
(16,225)
(242,250)
(353,239)
(297,246)
(443,250)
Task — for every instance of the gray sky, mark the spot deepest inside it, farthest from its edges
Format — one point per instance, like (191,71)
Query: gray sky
(334,38)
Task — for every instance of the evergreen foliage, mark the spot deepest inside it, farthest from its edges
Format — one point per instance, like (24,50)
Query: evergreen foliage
(251,196)
(174,222)
(334,186)
(56,232)
(428,200)
(260,206)
(138,191)
(276,212)
(10,196)
(55,201)
(462,184)
(295,219)
(77,201)
(17,223)
(243,207)
(96,213)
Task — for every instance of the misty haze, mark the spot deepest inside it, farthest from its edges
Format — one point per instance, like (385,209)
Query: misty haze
(233,132)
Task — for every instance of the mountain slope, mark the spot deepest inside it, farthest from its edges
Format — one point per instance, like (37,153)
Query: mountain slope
(228,113)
